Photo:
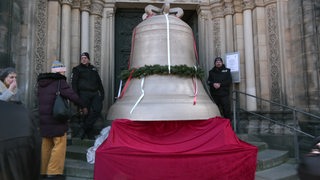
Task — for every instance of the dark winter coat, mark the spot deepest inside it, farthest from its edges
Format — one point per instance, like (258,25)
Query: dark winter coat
(47,88)
(86,78)
(20,143)
(220,75)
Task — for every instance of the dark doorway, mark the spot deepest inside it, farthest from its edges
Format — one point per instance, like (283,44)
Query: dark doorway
(125,21)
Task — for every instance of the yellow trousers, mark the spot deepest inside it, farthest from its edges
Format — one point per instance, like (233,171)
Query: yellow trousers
(53,155)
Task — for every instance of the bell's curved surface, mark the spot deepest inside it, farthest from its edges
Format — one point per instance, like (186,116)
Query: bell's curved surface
(163,97)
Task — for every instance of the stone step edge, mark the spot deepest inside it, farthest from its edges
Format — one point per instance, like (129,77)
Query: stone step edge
(270,158)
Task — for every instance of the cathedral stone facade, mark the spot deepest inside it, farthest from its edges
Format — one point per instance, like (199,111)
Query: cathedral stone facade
(278,42)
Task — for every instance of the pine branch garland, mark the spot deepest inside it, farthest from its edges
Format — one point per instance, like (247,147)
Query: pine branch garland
(178,70)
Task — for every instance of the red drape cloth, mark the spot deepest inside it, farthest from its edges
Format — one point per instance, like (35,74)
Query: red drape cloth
(177,150)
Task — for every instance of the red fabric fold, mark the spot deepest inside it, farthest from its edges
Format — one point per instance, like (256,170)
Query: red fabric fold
(199,149)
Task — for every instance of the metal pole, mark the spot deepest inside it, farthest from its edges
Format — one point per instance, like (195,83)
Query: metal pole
(235,97)
(295,141)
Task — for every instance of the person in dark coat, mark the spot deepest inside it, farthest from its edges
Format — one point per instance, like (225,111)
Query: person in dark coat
(308,168)
(20,143)
(219,81)
(53,132)
(86,82)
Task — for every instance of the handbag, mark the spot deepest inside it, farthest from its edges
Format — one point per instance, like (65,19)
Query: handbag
(61,108)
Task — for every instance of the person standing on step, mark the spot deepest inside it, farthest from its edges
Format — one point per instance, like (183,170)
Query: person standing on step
(86,82)
(54,132)
(219,81)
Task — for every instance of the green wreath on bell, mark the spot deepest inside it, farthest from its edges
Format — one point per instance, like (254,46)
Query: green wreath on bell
(147,70)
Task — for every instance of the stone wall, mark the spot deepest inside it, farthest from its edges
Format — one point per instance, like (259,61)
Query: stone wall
(304,56)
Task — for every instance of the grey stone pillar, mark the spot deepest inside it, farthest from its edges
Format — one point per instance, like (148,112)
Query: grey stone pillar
(75,34)
(53,31)
(95,28)
(205,37)
(219,31)
(249,58)
(107,53)
(85,9)
(229,11)
(66,35)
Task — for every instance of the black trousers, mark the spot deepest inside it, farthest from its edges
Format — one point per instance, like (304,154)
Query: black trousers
(93,100)
(223,103)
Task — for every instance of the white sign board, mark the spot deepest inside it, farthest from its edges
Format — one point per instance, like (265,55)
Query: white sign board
(232,61)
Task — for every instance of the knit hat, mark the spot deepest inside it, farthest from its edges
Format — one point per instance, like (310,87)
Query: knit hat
(218,59)
(57,66)
(5,72)
(85,54)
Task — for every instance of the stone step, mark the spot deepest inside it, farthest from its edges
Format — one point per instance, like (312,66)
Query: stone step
(84,142)
(77,178)
(270,158)
(77,152)
(77,169)
(260,145)
(285,171)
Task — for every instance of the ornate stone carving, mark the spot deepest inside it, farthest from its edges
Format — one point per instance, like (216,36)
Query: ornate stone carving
(237,4)
(76,4)
(216,35)
(97,42)
(248,4)
(97,8)
(85,5)
(274,58)
(69,2)
(203,13)
(40,47)
(217,12)
(41,37)
(228,8)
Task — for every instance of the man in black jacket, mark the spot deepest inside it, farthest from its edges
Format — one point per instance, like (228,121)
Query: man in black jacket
(86,82)
(219,81)
(20,143)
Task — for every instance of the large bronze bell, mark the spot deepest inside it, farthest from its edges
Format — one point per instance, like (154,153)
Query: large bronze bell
(164,39)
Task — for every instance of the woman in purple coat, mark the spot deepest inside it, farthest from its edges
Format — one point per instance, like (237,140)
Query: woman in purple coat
(54,132)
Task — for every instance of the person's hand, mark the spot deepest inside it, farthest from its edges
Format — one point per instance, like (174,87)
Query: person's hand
(13,86)
(216,85)
(84,111)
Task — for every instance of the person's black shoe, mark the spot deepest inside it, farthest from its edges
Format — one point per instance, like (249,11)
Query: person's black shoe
(43,176)
(55,177)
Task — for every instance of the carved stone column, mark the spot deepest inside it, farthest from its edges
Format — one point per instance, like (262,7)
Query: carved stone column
(205,37)
(95,32)
(75,33)
(53,32)
(239,46)
(85,9)
(274,53)
(219,30)
(66,35)
(262,65)
(228,12)
(249,56)
(107,53)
